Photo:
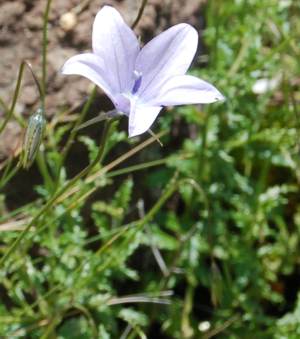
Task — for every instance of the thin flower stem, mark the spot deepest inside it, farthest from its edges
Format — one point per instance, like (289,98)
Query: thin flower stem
(138,167)
(140,13)
(202,151)
(100,117)
(7,176)
(15,97)
(44,53)
(137,299)
(51,202)
(41,162)
(18,212)
(3,104)
(124,157)
(6,172)
(28,64)
(6,110)
(24,63)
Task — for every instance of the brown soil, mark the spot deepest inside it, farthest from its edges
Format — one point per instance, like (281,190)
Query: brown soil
(21,38)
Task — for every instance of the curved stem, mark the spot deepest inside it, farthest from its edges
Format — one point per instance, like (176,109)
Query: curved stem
(17,90)
(15,97)
(140,13)
(28,64)
(51,202)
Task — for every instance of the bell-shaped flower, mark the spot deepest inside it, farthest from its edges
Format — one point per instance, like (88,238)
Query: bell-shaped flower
(141,81)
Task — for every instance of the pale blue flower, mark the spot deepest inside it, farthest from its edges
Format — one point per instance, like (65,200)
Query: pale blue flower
(140,82)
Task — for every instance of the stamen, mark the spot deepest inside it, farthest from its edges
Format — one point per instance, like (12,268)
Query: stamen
(138,81)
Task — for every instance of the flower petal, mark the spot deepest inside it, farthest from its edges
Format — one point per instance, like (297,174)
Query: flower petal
(167,55)
(186,89)
(141,118)
(115,42)
(91,67)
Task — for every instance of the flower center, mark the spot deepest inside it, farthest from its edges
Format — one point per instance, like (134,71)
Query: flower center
(137,81)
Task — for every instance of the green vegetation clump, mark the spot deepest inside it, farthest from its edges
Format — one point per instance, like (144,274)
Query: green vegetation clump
(196,239)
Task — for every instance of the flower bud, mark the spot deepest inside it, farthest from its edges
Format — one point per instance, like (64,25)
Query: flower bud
(33,137)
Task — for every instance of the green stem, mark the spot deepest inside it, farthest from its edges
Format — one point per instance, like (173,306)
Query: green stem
(3,104)
(202,152)
(34,78)
(52,201)
(7,110)
(8,175)
(12,108)
(140,13)
(138,167)
(15,97)
(41,162)
(213,20)
(19,80)
(16,94)
(44,52)
(186,327)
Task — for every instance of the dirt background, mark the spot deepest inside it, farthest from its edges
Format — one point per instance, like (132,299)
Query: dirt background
(70,28)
